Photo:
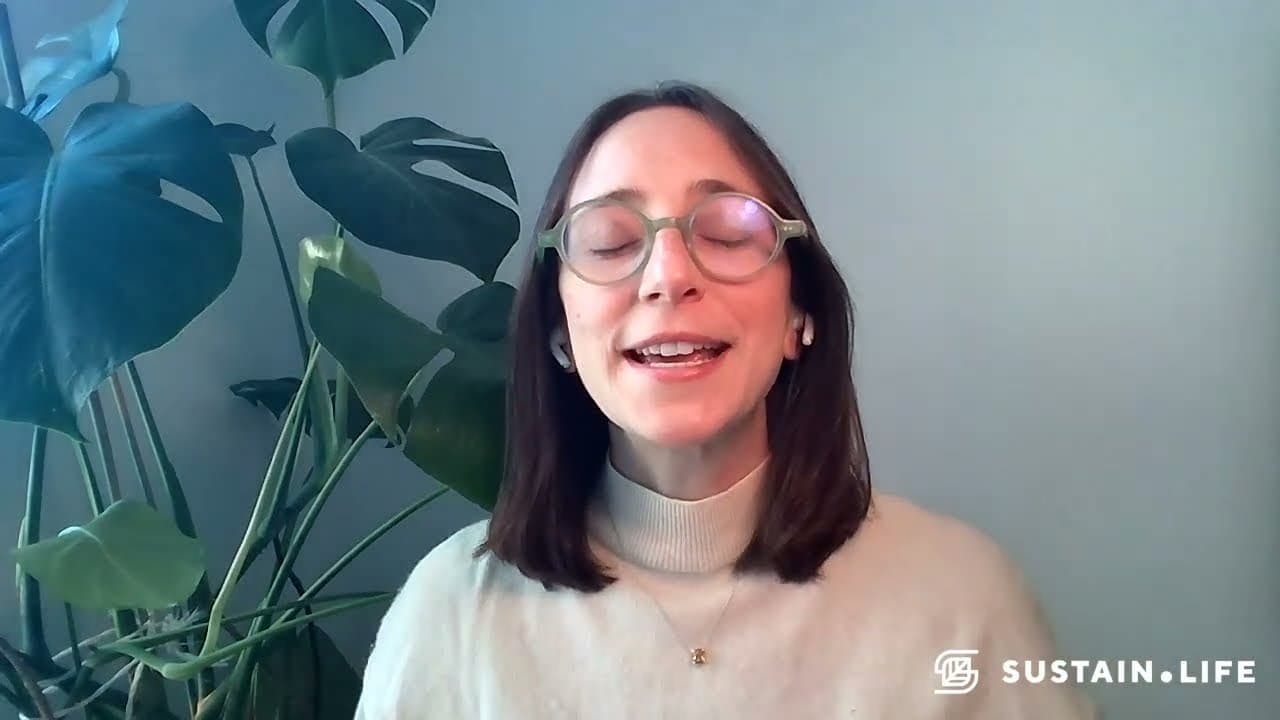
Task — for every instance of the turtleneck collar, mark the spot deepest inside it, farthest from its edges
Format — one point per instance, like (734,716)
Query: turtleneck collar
(663,533)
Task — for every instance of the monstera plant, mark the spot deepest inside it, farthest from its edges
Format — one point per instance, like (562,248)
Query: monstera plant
(113,238)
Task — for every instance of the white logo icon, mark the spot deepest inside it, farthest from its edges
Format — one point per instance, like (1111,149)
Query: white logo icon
(955,672)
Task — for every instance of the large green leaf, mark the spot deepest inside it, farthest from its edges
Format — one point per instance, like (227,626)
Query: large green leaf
(99,263)
(334,253)
(350,322)
(456,429)
(129,556)
(304,676)
(246,142)
(379,194)
(458,425)
(90,52)
(275,394)
(480,314)
(332,39)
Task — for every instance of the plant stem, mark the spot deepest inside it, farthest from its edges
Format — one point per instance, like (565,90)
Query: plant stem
(211,705)
(313,512)
(123,85)
(124,620)
(203,594)
(342,388)
(12,697)
(294,580)
(9,60)
(101,691)
(11,655)
(90,481)
(85,643)
(33,639)
(323,430)
(131,435)
(183,670)
(134,686)
(194,686)
(76,662)
(77,685)
(306,492)
(280,501)
(355,551)
(103,441)
(340,380)
(277,522)
(298,327)
(286,519)
(261,509)
(173,488)
(143,642)
(285,569)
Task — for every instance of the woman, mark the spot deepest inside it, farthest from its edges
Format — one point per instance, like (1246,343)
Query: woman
(686,527)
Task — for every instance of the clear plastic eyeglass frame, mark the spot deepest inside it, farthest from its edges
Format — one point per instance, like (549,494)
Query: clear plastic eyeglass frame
(553,237)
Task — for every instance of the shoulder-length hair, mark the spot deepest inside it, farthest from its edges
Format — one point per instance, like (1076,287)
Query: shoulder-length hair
(818,488)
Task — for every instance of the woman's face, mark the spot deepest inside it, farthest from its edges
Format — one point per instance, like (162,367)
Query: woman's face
(666,158)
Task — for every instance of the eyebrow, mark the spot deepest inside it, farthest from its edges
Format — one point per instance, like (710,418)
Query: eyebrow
(705,186)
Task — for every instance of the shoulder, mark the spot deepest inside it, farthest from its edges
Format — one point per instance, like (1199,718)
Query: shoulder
(937,564)
(435,584)
(422,628)
(450,568)
(453,579)
(937,548)
(956,587)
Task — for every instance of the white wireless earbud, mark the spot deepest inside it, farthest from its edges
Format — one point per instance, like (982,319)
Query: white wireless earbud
(804,325)
(559,349)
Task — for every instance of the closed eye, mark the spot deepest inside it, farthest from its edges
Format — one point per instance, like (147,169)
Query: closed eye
(725,242)
(609,252)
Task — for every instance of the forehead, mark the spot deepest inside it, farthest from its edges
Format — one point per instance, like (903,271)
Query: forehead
(666,155)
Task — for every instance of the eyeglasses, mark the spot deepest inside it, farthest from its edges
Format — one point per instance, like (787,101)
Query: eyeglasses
(730,236)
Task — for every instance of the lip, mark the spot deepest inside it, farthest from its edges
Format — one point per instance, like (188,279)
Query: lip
(672,337)
(678,373)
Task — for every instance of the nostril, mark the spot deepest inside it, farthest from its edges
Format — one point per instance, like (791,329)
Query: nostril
(670,272)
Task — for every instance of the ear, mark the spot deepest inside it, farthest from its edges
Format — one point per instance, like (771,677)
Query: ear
(791,340)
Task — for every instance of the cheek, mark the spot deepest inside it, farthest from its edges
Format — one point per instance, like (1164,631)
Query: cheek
(765,315)
(593,316)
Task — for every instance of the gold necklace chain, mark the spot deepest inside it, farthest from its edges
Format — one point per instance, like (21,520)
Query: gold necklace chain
(698,655)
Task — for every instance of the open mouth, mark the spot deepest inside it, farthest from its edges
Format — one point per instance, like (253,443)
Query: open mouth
(676,354)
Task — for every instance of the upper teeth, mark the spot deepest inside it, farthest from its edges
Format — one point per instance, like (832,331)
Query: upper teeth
(668,349)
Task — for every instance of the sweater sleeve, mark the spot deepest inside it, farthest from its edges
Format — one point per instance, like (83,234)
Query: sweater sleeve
(1014,628)
(410,670)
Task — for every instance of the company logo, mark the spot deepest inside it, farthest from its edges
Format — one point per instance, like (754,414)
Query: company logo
(955,671)
(957,674)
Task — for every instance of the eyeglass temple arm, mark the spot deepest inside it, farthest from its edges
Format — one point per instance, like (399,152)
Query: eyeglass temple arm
(793,228)
(546,239)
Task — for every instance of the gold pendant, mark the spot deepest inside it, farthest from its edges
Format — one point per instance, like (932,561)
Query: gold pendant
(698,656)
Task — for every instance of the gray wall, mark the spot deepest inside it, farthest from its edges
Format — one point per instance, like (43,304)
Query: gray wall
(1058,220)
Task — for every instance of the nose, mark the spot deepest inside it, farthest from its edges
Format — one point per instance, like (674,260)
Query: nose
(670,274)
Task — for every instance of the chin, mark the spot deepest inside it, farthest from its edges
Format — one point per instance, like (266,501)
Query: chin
(675,430)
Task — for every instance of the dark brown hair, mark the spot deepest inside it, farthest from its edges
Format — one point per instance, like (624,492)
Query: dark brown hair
(818,488)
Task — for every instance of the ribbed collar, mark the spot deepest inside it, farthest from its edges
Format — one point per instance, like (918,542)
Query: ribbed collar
(662,533)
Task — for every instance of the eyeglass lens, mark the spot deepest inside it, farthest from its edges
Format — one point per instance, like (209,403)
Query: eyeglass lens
(731,237)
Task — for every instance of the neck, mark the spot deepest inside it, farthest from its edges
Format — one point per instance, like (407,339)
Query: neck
(691,472)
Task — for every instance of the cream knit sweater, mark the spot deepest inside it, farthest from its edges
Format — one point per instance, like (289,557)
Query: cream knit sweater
(473,639)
